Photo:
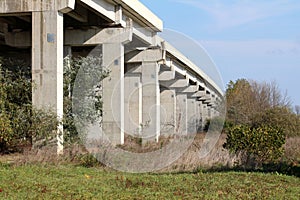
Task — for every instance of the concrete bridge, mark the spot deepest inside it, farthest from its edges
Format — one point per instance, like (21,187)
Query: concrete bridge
(153,89)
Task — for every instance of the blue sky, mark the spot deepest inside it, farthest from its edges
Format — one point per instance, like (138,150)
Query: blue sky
(258,40)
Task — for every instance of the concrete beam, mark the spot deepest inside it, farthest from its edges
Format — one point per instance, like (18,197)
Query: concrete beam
(16,6)
(175,84)
(148,55)
(199,94)
(166,75)
(80,14)
(137,11)
(25,18)
(18,39)
(167,72)
(76,37)
(186,63)
(102,7)
(205,98)
(133,68)
(145,34)
(191,89)
(179,69)
(97,36)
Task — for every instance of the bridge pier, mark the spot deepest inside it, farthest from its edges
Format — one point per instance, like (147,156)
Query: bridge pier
(133,100)
(147,62)
(150,102)
(159,91)
(113,93)
(191,115)
(168,111)
(181,113)
(199,111)
(47,65)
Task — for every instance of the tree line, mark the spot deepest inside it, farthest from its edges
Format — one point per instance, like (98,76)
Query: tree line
(259,119)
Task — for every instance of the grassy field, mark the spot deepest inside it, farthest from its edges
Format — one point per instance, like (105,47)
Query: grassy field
(72,182)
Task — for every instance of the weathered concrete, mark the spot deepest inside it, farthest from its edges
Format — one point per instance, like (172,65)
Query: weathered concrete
(133,103)
(151,101)
(168,111)
(162,91)
(113,93)
(199,125)
(191,116)
(181,114)
(21,6)
(90,37)
(47,64)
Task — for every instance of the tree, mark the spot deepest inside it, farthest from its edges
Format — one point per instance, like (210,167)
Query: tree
(240,102)
(260,103)
(297,110)
(259,117)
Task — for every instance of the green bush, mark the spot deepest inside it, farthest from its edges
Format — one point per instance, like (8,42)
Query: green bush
(261,145)
(281,117)
(214,124)
(6,132)
(20,123)
(92,73)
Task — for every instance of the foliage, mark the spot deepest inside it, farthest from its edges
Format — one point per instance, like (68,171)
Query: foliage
(259,103)
(19,121)
(240,99)
(281,117)
(214,124)
(263,144)
(6,132)
(89,73)
(248,99)
(73,182)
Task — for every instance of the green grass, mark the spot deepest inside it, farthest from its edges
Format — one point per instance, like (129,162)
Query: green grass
(71,182)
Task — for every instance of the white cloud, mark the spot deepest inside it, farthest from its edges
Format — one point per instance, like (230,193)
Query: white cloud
(239,12)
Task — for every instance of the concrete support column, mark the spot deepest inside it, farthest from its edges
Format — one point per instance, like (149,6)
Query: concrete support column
(168,111)
(47,64)
(133,104)
(151,101)
(181,114)
(205,116)
(209,112)
(191,116)
(113,93)
(199,116)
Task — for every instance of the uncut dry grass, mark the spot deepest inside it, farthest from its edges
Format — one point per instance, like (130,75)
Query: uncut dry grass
(189,161)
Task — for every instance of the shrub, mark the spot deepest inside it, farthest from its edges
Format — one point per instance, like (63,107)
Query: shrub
(281,117)
(6,132)
(262,144)
(214,124)
(20,123)
(91,74)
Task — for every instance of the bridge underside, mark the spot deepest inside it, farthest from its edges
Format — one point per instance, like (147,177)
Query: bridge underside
(151,91)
